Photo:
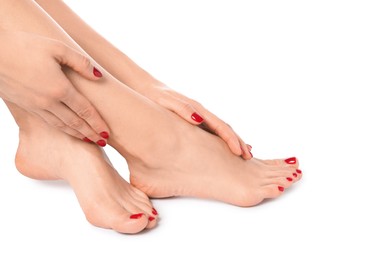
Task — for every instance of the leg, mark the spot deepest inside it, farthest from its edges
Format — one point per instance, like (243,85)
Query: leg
(107,200)
(166,156)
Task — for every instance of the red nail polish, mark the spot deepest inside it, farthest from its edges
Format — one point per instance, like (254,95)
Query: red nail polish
(151,218)
(197,118)
(291,160)
(136,216)
(289,179)
(101,143)
(299,171)
(86,139)
(154,211)
(295,175)
(97,73)
(280,188)
(104,135)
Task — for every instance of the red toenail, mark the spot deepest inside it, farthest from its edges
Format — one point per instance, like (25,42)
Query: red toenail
(299,171)
(151,218)
(289,179)
(196,117)
(295,175)
(86,139)
(136,216)
(291,160)
(104,135)
(101,143)
(154,211)
(280,188)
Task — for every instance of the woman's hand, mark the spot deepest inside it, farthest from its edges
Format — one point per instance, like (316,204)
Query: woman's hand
(196,114)
(31,77)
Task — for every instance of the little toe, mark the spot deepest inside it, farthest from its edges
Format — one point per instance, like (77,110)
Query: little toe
(272,191)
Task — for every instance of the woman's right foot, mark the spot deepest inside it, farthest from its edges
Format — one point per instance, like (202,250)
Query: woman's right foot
(107,200)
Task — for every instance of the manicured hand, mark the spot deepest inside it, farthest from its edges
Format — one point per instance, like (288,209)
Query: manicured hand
(31,77)
(196,114)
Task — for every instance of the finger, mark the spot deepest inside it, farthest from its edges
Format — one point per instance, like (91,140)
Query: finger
(181,108)
(77,61)
(73,121)
(246,152)
(53,121)
(85,110)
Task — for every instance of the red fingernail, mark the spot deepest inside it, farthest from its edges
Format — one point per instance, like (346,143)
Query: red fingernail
(280,188)
(101,143)
(86,139)
(136,216)
(197,118)
(289,179)
(299,171)
(291,160)
(151,218)
(97,73)
(104,134)
(154,211)
(295,175)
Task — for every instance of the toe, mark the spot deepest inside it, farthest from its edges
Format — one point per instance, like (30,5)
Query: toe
(272,191)
(129,223)
(289,162)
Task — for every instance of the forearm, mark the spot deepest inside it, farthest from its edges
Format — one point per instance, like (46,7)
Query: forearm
(107,55)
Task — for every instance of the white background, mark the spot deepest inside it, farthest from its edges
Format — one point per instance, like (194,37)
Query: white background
(288,76)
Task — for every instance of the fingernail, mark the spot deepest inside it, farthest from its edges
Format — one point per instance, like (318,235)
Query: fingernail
(295,175)
(154,211)
(291,160)
(86,139)
(250,146)
(151,218)
(298,171)
(97,73)
(101,143)
(251,154)
(196,117)
(290,179)
(136,216)
(104,134)
(280,188)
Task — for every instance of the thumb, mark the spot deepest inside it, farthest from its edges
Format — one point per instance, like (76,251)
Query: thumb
(77,61)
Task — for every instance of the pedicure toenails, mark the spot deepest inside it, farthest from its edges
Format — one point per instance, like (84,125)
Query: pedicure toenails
(86,139)
(298,171)
(101,143)
(295,175)
(154,211)
(196,117)
(97,73)
(151,218)
(289,179)
(291,160)
(136,216)
(104,135)
(280,188)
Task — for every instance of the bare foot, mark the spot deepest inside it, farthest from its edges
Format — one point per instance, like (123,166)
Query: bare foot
(107,200)
(202,166)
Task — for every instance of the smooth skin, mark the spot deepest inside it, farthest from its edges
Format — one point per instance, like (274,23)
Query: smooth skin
(166,156)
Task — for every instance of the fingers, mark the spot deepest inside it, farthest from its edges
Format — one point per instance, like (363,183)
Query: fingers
(182,108)
(75,60)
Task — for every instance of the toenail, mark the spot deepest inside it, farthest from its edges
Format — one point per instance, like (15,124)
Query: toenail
(151,218)
(295,175)
(104,135)
(101,143)
(136,216)
(291,160)
(154,211)
(86,139)
(196,117)
(280,188)
(299,171)
(290,179)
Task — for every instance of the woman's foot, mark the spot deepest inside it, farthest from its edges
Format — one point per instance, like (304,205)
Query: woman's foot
(201,165)
(107,200)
